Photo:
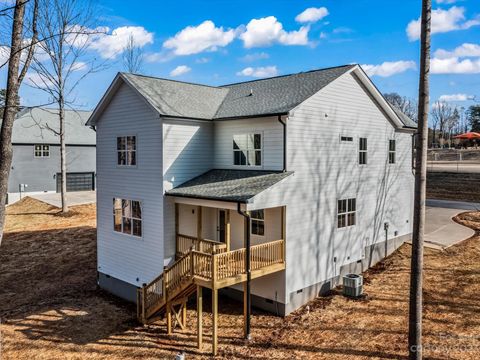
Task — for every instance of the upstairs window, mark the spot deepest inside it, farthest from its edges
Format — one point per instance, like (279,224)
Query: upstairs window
(42,151)
(257,222)
(127,217)
(362,151)
(127,151)
(346,212)
(247,150)
(391,151)
(346,138)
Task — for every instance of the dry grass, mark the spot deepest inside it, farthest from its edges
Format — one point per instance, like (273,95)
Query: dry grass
(52,309)
(453,186)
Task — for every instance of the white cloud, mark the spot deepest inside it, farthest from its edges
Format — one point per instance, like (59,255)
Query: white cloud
(255,57)
(111,45)
(454,65)
(443,21)
(389,68)
(456,97)
(268,31)
(79,66)
(464,50)
(196,39)
(39,81)
(447,1)
(202,60)
(312,15)
(180,70)
(259,72)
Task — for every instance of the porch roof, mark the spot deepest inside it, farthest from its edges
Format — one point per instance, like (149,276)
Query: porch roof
(229,185)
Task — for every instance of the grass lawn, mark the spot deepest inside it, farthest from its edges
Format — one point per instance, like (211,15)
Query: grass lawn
(453,186)
(51,308)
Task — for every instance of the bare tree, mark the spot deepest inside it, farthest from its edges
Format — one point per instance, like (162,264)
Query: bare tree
(132,56)
(15,75)
(408,106)
(416,273)
(441,115)
(61,62)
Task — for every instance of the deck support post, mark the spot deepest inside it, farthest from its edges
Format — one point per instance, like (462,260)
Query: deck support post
(184,314)
(245,312)
(214,321)
(199,317)
(176,227)
(169,318)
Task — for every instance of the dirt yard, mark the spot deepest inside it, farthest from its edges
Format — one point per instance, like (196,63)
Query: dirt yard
(51,308)
(453,186)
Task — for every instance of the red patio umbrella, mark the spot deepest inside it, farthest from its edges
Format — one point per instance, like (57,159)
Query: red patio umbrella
(468,136)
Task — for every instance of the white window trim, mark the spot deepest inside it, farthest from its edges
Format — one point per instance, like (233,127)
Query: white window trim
(121,232)
(41,151)
(346,227)
(136,151)
(256,219)
(262,159)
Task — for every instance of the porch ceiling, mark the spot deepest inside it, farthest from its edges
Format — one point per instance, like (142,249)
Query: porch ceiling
(228,185)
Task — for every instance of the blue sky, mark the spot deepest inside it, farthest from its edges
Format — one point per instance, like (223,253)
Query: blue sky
(219,41)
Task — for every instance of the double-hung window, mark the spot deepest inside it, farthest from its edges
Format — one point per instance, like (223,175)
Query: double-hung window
(247,150)
(391,151)
(126,150)
(41,151)
(346,212)
(127,217)
(257,218)
(362,151)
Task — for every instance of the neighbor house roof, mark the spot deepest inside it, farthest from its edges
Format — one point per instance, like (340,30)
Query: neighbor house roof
(228,185)
(271,96)
(34,126)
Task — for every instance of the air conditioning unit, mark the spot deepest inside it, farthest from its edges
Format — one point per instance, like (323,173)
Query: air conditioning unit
(353,285)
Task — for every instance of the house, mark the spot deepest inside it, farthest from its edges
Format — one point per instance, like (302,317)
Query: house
(36,153)
(310,173)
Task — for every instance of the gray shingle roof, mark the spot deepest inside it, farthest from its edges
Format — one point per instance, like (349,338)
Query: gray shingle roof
(228,185)
(404,118)
(179,99)
(31,126)
(275,95)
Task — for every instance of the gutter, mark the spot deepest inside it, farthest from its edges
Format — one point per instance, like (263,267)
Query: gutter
(284,142)
(248,270)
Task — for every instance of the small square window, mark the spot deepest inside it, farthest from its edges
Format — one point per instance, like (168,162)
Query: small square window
(41,151)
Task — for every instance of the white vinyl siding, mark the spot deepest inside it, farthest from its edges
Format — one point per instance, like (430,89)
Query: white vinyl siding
(272,141)
(135,262)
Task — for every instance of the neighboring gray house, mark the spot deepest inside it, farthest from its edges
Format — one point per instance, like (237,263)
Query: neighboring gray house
(36,153)
(318,162)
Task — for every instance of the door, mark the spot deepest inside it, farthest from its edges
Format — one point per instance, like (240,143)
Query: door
(222,217)
(81,181)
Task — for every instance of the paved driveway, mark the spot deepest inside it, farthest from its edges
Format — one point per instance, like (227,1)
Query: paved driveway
(440,230)
(73,198)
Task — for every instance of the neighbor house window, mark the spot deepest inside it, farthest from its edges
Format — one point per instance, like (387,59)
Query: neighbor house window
(127,150)
(42,151)
(346,212)
(127,217)
(257,218)
(247,149)
(391,152)
(362,151)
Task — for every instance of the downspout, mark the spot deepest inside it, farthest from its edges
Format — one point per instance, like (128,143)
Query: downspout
(284,142)
(247,269)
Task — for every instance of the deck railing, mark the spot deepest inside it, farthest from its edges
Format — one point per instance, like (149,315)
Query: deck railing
(206,267)
(185,243)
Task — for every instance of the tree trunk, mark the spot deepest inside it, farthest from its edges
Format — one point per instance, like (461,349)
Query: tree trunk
(416,274)
(11,109)
(63,155)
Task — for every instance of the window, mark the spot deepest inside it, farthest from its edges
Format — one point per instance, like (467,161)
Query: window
(257,218)
(42,151)
(127,217)
(362,151)
(126,151)
(391,152)
(247,150)
(346,138)
(346,212)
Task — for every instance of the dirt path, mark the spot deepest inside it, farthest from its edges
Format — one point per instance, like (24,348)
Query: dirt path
(51,308)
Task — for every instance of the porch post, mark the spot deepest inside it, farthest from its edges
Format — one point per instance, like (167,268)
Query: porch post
(199,225)
(214,321)
(199,317)
(176,228)
(227,230)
